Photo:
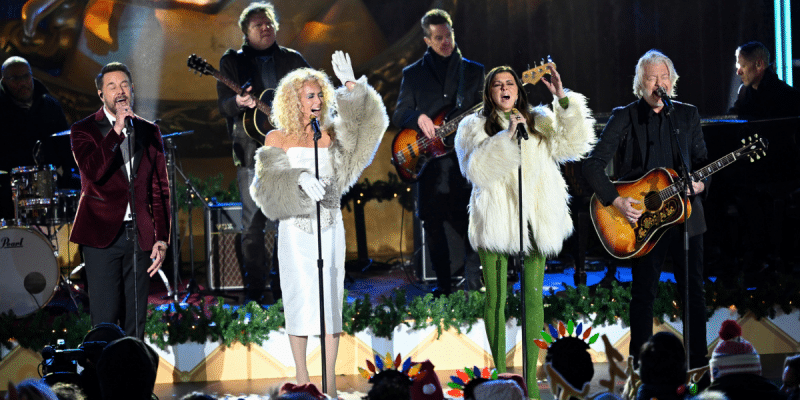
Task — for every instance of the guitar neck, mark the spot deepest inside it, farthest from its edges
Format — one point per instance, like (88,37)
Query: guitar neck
(700,174)
(450,126)
(233,86)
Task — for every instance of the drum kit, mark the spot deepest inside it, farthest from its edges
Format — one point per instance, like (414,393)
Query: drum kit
(28,243)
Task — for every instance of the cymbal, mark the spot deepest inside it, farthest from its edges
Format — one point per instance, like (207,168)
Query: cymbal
(62,133)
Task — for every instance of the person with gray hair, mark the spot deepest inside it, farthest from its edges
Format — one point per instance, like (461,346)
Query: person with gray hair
(639,138)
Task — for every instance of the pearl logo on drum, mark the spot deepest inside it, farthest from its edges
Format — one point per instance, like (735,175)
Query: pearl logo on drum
(6,243)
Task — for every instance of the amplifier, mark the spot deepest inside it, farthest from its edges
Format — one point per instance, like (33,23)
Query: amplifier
(223,226)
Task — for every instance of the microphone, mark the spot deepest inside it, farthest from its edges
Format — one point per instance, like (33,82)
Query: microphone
(662,93)
(129,123)
(522,133)
(315,127)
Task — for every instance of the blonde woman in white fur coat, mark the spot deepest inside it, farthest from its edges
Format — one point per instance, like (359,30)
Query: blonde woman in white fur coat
(286,189)
(488,154)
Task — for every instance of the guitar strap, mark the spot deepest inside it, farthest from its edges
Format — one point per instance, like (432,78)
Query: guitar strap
(460,94)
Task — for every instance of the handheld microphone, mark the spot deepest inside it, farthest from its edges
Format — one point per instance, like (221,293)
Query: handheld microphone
(315,127)
(521,131)
(662,93)
(129,123)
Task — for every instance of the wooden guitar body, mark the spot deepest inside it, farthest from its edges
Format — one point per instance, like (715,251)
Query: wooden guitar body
(623,239)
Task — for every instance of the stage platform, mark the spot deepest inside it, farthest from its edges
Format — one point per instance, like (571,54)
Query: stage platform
(240,369)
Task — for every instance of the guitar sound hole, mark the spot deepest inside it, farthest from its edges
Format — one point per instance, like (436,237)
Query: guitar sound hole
(652,202)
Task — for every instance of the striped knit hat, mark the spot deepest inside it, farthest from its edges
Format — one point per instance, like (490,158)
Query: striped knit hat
(733,354)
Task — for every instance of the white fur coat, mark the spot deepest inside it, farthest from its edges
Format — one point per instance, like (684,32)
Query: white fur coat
(491,164)
(359,127)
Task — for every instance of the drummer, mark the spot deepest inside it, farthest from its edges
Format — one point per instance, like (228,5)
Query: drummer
(28,114)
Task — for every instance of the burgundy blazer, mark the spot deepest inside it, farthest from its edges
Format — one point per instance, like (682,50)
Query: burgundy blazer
(104,183)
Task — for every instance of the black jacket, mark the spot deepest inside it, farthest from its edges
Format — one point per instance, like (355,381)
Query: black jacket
(625,136)
(422,92)
(20,128)
(241,66)
(773,99)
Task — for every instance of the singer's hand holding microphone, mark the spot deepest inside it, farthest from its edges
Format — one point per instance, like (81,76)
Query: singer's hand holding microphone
(518,125)
(124,117)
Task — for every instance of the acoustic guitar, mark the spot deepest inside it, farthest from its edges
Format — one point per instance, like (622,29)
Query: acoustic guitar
(412,150)
(256,120)
(659,192)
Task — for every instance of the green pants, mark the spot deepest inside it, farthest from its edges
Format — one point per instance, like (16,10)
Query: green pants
(495,275)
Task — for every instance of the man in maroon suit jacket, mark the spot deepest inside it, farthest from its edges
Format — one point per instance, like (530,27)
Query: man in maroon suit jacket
(104,220)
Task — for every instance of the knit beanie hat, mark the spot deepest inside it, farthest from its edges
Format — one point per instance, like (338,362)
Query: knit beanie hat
(733,354)
(428,387)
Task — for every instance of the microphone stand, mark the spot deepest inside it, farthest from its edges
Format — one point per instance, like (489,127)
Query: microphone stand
(192,287)
(170,158)
(320,262)
(135,236)
(522,134)
(687,183)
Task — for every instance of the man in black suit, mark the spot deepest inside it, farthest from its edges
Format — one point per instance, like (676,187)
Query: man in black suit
(441,81)
(263,63)
(640,135)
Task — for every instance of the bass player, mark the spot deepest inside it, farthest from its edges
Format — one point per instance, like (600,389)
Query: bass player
(441,81)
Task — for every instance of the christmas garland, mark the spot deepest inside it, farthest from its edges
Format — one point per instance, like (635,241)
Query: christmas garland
(253,324)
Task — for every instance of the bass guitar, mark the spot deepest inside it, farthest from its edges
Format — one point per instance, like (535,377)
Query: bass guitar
(256,120)
(659,192)
(412,150)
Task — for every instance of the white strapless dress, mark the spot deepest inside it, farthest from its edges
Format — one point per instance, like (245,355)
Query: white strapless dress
(298,254)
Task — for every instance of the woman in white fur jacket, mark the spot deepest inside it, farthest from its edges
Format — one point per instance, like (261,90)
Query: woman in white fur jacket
(352,120)
(489,157)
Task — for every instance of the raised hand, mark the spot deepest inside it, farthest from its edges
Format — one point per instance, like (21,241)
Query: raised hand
(342,67)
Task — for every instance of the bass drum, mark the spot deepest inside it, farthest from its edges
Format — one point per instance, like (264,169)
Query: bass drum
(28,271)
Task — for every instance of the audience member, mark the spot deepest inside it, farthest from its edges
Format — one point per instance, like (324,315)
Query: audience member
(662,368)
(305,391)
(469,387)
(127,370)
(711,395)
(198,396)
(68,391)
(30,389)
(570,358)
(427,386)
(390,384)
(736,368)
(499,389)
(791,377)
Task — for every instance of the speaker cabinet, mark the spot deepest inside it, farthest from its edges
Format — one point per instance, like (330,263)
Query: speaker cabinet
(455,246)
(223,225)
